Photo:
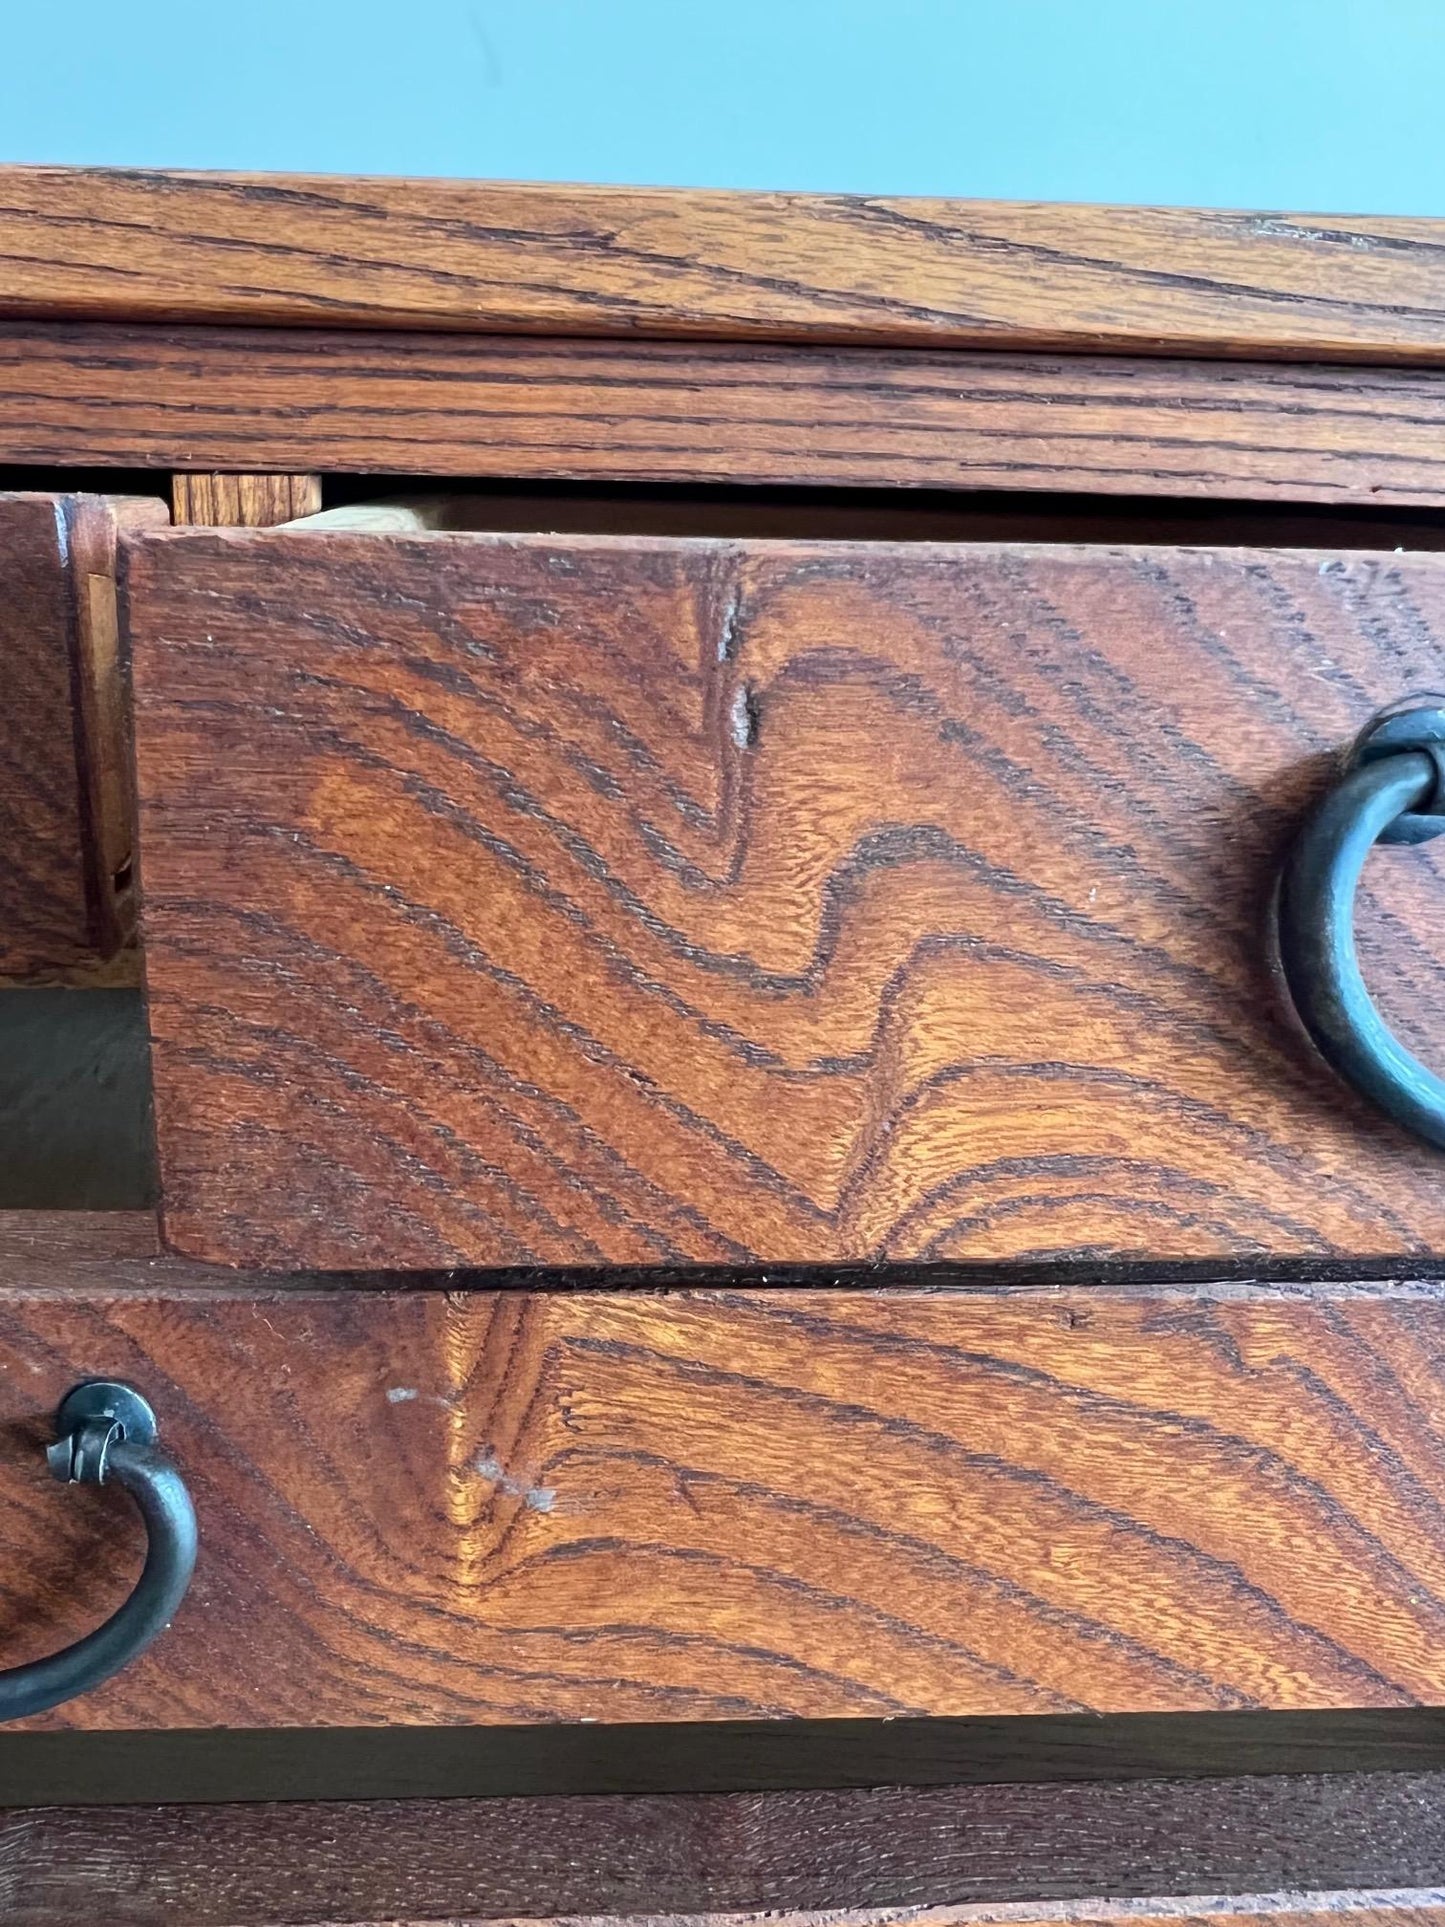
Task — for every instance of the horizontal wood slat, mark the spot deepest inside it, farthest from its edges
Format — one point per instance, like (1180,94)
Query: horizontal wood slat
(607,901)
(450,404)
(66,808)
(433,1507)
(884,1854)
(169,247)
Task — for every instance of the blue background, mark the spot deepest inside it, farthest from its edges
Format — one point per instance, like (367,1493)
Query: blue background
(1325,105)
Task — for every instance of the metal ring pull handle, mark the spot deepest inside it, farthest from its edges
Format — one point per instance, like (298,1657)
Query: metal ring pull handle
(1393,791)
(106,1433)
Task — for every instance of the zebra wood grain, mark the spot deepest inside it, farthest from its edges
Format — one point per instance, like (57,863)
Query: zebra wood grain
(167,247)
(584,901)
(65,802)
(429,1507)
(484,405)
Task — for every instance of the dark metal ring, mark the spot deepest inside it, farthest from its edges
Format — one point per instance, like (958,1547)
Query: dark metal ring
(106,1433)
(1394,791)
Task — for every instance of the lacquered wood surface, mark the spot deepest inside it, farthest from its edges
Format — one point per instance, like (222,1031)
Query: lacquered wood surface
(170,247)
(432,1507)
(483,405)
(597,901)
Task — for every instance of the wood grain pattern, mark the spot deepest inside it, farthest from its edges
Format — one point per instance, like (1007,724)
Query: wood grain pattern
(243,501)
(884,1848)
(427,1507)
(450,404)
(881,1848)
(59,1240)
(46,916)
(169,247)
(66,810)
(516,901)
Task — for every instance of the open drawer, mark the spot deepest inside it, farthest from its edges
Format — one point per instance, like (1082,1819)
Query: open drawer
(580,900)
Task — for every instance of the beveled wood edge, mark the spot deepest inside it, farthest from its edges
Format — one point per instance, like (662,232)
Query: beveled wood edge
(174,246)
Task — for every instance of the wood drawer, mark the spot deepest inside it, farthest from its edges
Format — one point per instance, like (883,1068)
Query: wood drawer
(65,802)
(582,901)
(433,1507)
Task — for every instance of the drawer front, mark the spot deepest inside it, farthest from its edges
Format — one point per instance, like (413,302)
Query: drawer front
(427,1507)
(601,901)
(65,806)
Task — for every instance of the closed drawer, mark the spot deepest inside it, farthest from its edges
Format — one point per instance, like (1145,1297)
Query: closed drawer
(65,804)
(640,901)
(428,1507)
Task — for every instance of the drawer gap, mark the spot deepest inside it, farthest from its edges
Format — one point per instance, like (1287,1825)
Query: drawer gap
(891,515)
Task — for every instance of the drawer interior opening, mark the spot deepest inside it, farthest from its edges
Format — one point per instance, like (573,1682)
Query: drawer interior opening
(891,515)
(844,514)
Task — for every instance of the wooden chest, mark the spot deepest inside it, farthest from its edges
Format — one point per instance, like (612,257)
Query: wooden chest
(747,1133)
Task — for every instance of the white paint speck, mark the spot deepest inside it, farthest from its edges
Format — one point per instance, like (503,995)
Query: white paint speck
(540,1498)
(727,635)
(409,1395)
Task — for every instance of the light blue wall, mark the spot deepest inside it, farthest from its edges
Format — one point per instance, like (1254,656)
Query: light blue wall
(1295,104)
